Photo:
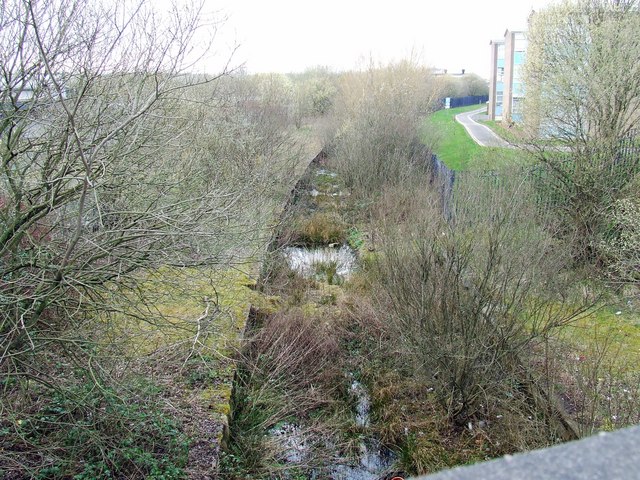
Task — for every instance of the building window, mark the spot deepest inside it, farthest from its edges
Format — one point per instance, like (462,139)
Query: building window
(517,109)
(520,42)
(518,89)
(517,105)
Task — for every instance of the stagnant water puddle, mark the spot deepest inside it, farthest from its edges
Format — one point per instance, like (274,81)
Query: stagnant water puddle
(332,265)
(326,183)
(292,442)
(373,459)
(317,193)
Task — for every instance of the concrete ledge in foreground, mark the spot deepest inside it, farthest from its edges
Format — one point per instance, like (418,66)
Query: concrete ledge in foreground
(605,456)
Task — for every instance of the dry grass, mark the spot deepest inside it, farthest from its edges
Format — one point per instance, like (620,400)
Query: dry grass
(321,228)
(290,373)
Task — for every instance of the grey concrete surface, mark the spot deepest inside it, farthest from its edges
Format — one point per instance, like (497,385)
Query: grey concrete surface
(482,134)
(606,456)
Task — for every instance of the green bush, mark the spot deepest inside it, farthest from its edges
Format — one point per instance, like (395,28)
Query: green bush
(354,238)
(97,433)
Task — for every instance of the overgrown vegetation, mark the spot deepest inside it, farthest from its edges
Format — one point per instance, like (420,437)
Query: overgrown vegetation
(485,316)
(290,375)
(466,320)
(127,185)
(376,122)
(106,432)
(473,309)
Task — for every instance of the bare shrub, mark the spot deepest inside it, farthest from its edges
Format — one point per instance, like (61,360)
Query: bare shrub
(469,297)
(377,116)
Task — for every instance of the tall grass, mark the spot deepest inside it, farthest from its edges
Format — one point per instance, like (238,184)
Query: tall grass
(289,372)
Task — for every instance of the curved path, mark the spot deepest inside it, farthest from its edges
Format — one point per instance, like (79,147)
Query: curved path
(481,134)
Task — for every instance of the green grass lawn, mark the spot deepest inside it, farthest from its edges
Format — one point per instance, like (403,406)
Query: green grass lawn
(515,134)
(615,329)
(458,150)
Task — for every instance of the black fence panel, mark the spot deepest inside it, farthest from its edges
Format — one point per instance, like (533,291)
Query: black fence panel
(545,188)
(443,178)
(466,101)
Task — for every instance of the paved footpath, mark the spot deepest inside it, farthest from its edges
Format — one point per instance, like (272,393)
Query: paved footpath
(482,134)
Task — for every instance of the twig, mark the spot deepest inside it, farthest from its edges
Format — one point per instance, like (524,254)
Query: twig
(197,336)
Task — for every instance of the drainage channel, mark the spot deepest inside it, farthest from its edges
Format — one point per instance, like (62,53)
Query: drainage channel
(304,445)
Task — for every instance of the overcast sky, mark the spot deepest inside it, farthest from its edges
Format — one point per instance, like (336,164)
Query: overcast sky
(293,35)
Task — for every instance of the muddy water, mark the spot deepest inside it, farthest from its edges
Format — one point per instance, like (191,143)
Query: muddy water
(315,262)
(374,460)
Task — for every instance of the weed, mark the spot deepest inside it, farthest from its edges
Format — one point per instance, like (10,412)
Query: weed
(329,299)
(288,372)
(320,229)
(201,371)
(328,271)
(93,433)
(354,238)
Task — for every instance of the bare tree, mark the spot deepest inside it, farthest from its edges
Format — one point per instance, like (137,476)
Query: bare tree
(87,101)
(583,95)
(113,162)
(378,116)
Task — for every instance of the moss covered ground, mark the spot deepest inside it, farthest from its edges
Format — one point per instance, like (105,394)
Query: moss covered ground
(183,329)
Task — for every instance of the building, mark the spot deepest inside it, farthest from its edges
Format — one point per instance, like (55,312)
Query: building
(506,88)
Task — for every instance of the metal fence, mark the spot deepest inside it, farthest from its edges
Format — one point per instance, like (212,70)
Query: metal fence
(455,102)
(601,170)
